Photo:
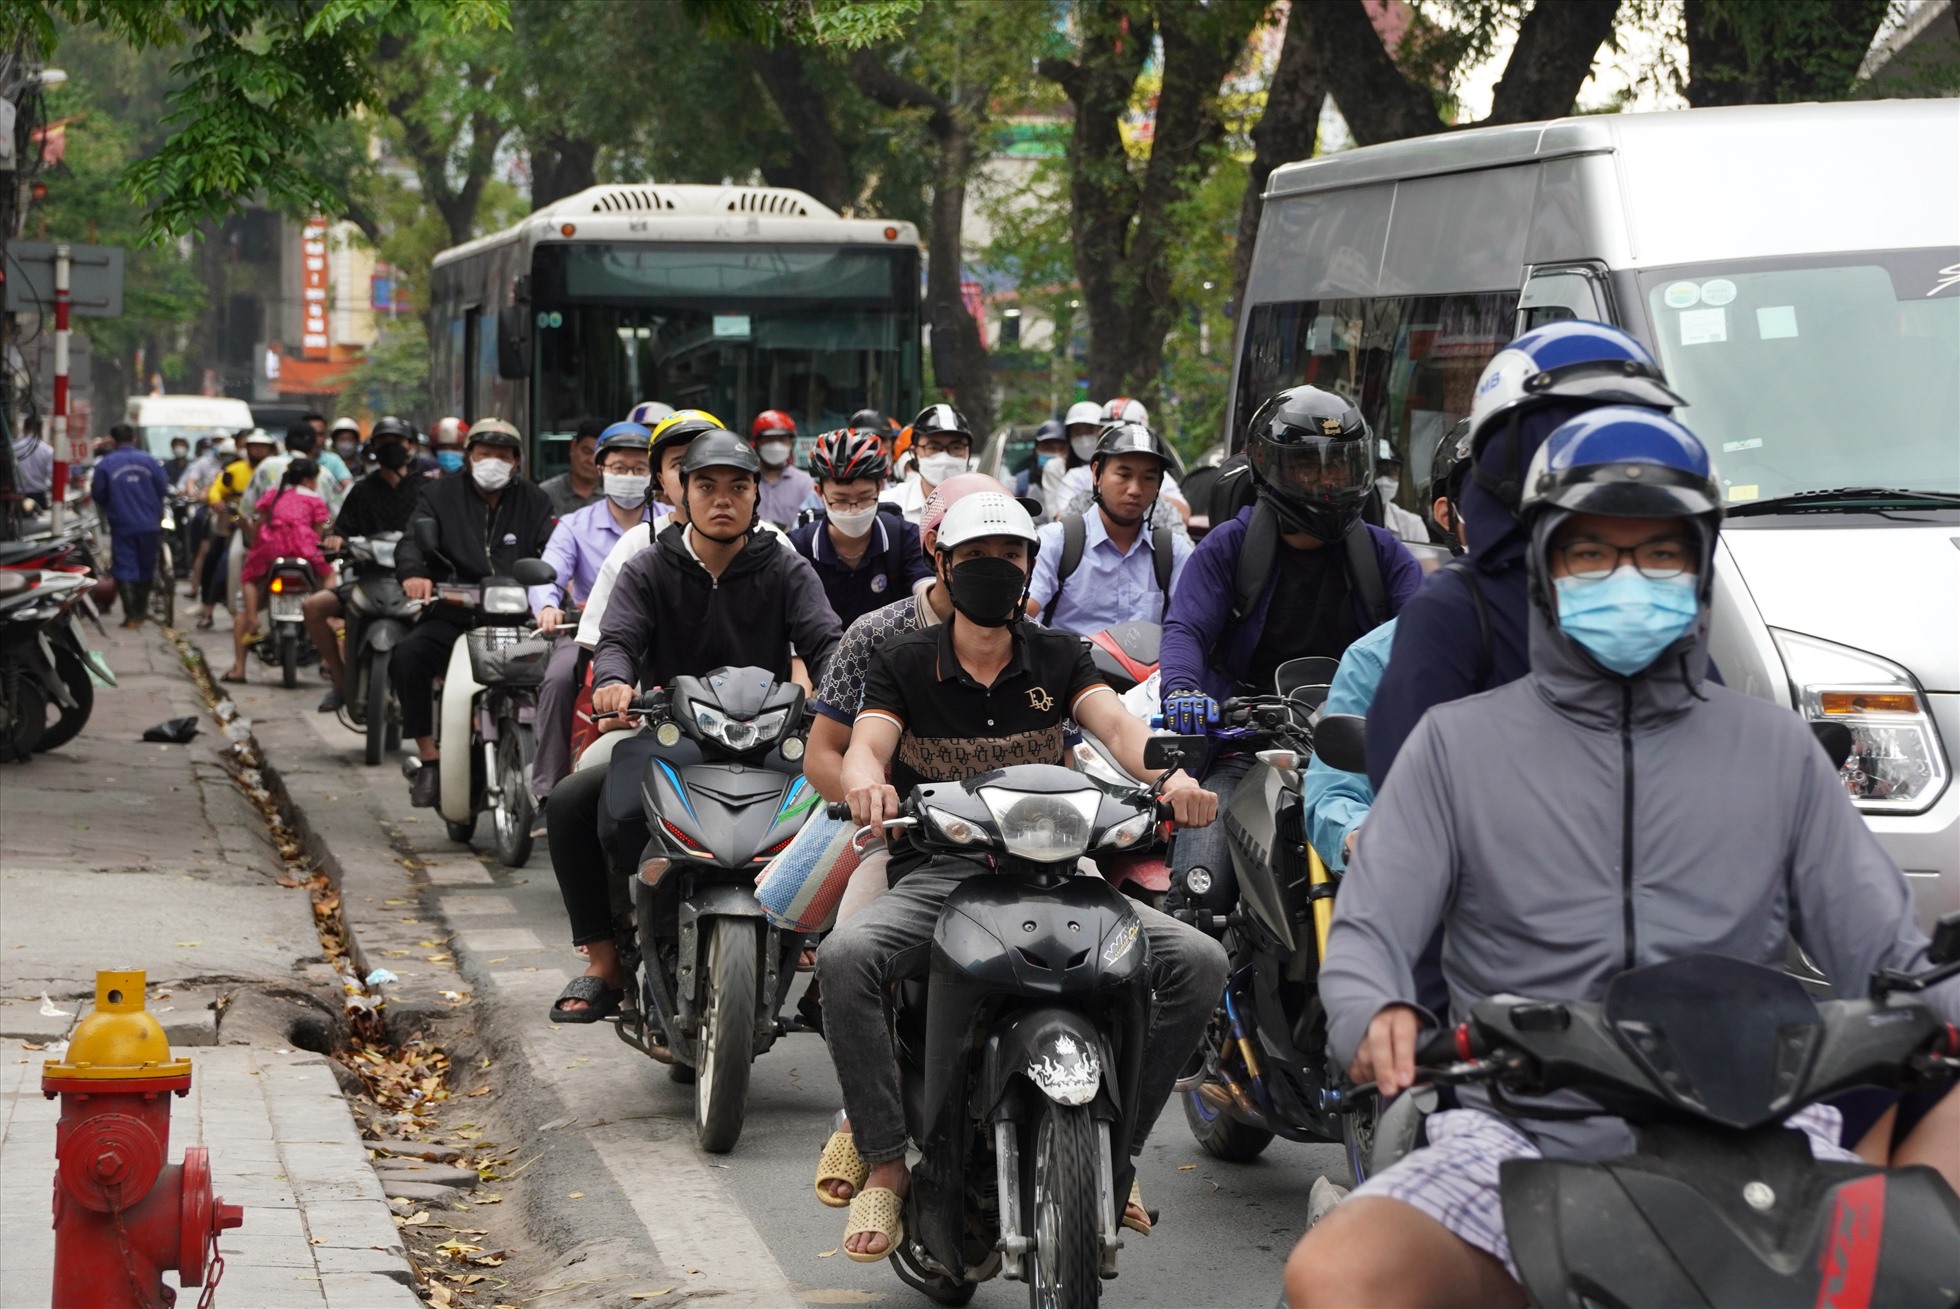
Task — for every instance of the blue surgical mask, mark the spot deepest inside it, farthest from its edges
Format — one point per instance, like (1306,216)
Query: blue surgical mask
(449,461)
(1625,620)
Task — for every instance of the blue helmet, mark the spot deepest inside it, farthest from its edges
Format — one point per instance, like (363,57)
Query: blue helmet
(1574,363)
(1626,462)
(623,436)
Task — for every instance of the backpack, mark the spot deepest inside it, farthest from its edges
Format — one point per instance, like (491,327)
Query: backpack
(1255,568)
(1075,538)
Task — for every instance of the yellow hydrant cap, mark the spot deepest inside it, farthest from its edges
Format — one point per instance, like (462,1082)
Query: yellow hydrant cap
(119,1040)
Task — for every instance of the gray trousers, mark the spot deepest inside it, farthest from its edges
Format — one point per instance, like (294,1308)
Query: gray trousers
(892,939)
(557,698)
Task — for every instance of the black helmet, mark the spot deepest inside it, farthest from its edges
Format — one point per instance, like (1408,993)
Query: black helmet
(870,420)
(1314,459)
(940,418)
(389,425)
(622,436)
(494,431)
(1135,439)
(1449,464)
(720,448)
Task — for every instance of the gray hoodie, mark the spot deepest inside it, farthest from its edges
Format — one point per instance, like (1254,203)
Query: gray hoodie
(1575,823)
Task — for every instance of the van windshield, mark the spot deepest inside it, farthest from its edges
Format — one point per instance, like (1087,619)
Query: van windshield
(1807,374)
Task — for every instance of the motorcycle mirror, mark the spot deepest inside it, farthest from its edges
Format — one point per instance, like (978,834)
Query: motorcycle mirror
(1342,740)
(1946,940)
(427,534)
(1173,751)
(533,572)
(1836,740)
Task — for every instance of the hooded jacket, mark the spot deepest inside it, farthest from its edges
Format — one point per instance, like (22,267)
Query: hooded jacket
(668,615)
(1575,823)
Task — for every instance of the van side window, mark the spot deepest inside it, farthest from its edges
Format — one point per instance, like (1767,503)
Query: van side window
(1409,363)
(1554,295)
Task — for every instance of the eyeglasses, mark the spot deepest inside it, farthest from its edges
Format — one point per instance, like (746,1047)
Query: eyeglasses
(933,446)
(1595,561)
(851,506)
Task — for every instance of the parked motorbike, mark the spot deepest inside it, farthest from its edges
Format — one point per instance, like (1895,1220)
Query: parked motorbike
(32,601)
(715,773)
(377,614)
(292,579)
(1019,1054)
(1721,1205)
(79,666)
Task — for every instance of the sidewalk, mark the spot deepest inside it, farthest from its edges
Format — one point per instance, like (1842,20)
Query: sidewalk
(117,853)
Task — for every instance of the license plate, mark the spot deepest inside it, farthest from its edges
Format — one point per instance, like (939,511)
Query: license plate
(286,606)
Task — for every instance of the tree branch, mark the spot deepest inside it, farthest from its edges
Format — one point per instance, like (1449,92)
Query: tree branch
(823,166)
(894,91)
(1288,130)
(1557,43)
(1378,102)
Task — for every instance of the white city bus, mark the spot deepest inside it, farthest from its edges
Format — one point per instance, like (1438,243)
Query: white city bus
(732,299)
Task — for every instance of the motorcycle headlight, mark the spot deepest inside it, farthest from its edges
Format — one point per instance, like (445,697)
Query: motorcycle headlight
(1043,827)
(505,600)
(383,552)
(1126,833)
(953,827)
(1897,765)
(740,734)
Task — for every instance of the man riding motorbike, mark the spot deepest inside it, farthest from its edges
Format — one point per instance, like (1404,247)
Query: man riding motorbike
(1612,809)
(864,557)
(380,502)
(942,445)
(716,591)
(486,520)
(945,705)
(1294,575)
(783,486)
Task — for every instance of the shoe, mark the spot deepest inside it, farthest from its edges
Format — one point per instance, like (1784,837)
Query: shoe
(1322,1199)
(331,702)
(426,785)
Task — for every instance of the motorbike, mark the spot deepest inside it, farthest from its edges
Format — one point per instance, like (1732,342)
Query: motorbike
(715,775)
(1126,654)
(291,580)
(79,666)
(377,614)
(1019,1053)
(1720,1204)
(32,674)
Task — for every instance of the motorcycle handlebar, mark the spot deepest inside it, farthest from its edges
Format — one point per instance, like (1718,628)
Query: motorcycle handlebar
(837,811)
(1450,1045)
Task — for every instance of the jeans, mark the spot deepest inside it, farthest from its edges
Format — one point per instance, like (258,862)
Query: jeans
(1205,847)
(892,938)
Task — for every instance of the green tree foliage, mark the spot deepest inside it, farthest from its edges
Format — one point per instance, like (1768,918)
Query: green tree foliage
(393,377)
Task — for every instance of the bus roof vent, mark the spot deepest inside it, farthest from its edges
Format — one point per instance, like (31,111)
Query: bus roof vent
(774,202)
(679,198)
(626,199)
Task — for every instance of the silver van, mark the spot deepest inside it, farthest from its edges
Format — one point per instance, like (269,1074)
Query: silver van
(1796,269)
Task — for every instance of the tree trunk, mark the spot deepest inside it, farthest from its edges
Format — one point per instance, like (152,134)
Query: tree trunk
(1553,57)
(561,166)
(821,166)
(1377,101)
(1795,50)
(1288,130)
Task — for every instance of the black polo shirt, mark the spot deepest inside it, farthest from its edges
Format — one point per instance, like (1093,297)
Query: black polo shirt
(952,728)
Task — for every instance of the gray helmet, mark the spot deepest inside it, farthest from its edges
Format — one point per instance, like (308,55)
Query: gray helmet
(719,448)
(1135,439)
(494,431)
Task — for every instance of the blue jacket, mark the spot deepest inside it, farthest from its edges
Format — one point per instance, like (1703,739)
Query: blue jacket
(1201,609)
(130,485)
(1336,801)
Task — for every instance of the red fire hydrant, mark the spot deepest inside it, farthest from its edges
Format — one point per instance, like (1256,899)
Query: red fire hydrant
(122,1217)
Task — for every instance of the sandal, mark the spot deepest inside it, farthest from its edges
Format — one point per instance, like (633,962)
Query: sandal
(1136,1198)
(601,1001)
(876,1210)
(235,681)
(839,1162)
(205,623)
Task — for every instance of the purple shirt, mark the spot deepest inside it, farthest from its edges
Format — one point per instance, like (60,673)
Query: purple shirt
(781,500)
(578,546)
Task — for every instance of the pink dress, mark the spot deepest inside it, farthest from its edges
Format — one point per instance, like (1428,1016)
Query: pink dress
(290,528)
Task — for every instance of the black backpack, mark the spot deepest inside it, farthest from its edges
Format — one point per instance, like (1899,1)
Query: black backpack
(1255,568)
(1075,538)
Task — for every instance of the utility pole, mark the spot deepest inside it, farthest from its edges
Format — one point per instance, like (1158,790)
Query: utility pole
(58,493)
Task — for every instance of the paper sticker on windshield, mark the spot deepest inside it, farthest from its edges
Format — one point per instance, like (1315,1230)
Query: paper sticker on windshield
(1744,492)
(1720,291)
(734,326)
(1701,326)
(1681,295)
(1753,443)
(1775,322)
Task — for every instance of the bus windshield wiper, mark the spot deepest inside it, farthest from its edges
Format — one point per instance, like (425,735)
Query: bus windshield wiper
(1848,497)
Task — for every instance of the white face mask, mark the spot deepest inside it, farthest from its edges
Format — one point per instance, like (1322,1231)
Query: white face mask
(1389,486)
(774,453)
(490,474)
(1084,446)
(939,468)
(628,490)
(855,523)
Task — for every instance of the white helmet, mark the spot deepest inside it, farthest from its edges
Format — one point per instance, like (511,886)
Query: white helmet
(649,412)
(983,514)
(1083,411)
(344,425)
(1125,410)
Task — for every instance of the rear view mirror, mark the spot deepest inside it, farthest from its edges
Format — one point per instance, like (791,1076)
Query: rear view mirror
(514,341)
(1836,740)
(1946,940)
(533,572)
(1315,670)
(427,535)
(1342,741)
(1174,752)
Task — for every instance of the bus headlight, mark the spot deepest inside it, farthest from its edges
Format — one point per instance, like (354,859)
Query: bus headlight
(1897,765)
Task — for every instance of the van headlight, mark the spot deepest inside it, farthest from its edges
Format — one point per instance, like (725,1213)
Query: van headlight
(1045,827)
(505,600)
(1897,765)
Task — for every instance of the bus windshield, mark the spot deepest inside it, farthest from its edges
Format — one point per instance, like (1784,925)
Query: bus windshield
(733,328)
(1816,373)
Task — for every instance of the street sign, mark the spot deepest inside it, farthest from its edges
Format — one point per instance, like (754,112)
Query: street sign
(95,273)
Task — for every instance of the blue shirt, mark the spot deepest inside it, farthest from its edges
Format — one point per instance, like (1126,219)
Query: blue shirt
(1110,585)
(893,564)
(578,546)
(1337,801)
(130,486)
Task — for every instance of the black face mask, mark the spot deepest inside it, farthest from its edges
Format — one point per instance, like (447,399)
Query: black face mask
(988,591)
(392,456)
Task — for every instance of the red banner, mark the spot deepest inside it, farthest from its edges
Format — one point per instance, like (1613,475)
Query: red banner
(313,290)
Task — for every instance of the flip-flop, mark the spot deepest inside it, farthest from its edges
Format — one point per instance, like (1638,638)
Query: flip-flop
(235,681)
(839,1162)
(1136,1198)
(876,1209)
(601,1001)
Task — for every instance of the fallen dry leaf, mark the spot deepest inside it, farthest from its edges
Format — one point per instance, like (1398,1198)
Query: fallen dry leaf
(481,1090)
(1185,1168)
(651,1295)
(825,1254)
(575,1195)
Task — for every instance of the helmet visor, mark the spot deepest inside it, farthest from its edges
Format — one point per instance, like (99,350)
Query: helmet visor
(1315,469)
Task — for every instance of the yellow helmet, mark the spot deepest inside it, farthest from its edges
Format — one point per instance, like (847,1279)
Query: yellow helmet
(679,428)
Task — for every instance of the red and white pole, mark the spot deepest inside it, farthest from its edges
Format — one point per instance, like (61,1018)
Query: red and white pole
(58,493)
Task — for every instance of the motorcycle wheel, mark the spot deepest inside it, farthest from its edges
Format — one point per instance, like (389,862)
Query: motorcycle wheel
(461,832)
(727,1044)
(1221,1135)
(510,821)
(379,693)
(288,656)
(1058,1182)
(1358,1137)
(163,590)
(23,712)
(68,723)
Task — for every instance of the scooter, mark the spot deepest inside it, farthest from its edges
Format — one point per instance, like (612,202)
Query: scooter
(1019,1055)
(715,775)
(377,613)
(1721,1205)
(1126,654)
(292,579)
(31,675)
(79,666)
